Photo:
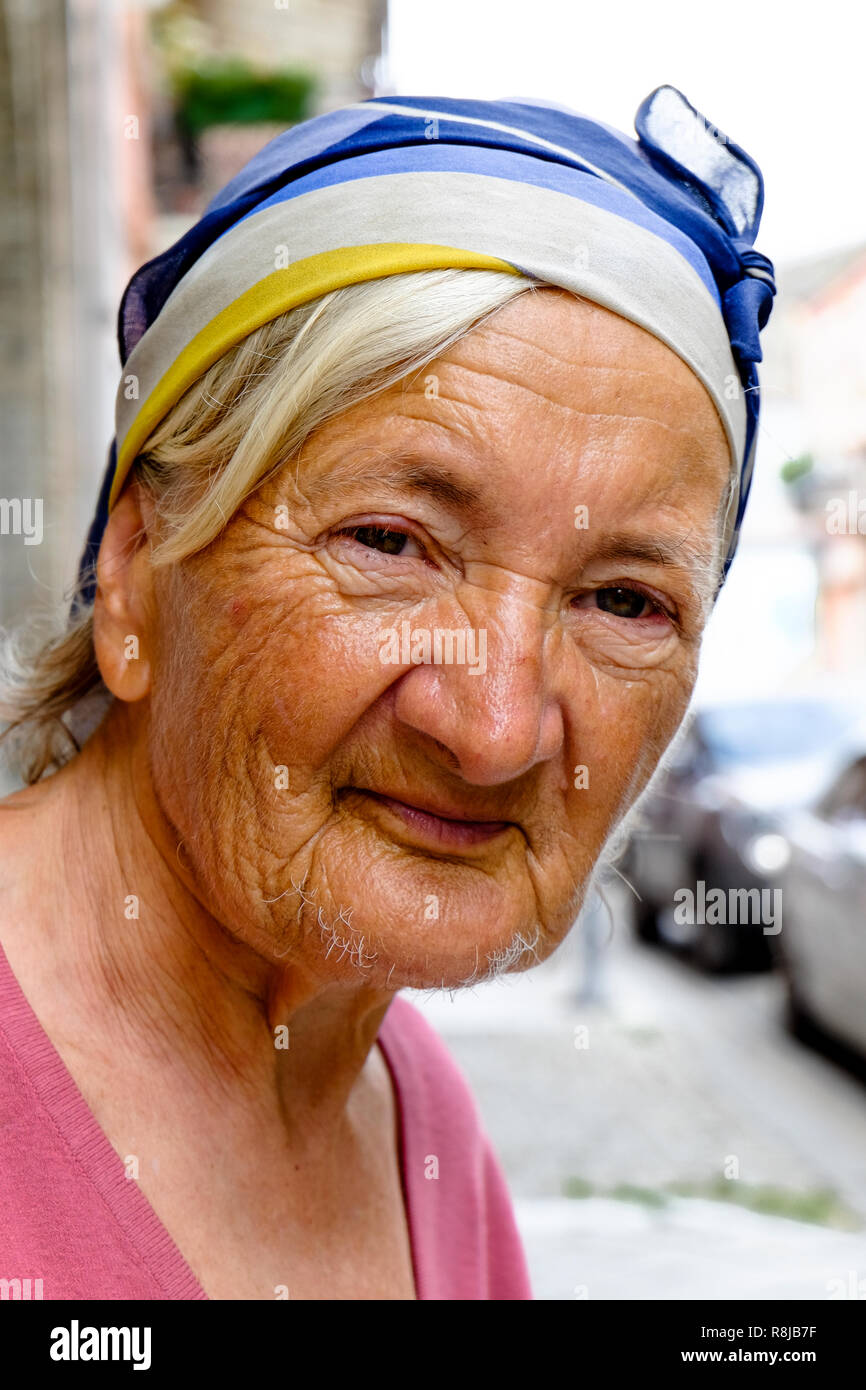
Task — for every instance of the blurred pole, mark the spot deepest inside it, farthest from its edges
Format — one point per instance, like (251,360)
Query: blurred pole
(71,168)
(593,931)
(35,276)
(110,212)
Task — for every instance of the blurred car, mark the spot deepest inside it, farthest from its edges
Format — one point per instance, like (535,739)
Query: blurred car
(822,945)
(711,821)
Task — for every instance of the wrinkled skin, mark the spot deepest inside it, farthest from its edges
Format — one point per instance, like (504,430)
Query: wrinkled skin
(311,903)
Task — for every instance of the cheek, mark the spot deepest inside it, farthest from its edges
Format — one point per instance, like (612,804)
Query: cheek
(285,667)
(311,682)
(620,741)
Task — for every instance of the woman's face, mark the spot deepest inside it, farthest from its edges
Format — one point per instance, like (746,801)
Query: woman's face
(545,498)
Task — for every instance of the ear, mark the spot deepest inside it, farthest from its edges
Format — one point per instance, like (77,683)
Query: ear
(123,607)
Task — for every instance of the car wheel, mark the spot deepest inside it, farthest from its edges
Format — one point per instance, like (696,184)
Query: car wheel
(646,922)
(800,1023)
(715,948)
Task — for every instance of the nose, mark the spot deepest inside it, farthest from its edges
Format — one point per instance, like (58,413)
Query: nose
(499,711)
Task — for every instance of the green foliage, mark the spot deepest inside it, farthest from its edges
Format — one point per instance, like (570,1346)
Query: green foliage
(642,1196)
(578,1187)
(230,91)
(820,1207)
(794,469)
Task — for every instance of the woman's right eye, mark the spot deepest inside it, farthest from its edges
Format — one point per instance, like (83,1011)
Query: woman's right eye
(384,539)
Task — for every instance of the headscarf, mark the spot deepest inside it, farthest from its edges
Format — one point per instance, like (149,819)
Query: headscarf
(659,229)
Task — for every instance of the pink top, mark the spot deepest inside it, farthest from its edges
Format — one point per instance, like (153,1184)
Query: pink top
(70,1216)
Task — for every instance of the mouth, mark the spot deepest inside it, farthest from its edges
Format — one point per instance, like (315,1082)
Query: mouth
(452,830)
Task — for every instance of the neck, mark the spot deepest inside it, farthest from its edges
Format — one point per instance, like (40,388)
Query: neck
(126,956)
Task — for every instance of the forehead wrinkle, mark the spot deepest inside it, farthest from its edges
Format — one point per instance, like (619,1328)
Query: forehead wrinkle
(626,346)
(688,430)
(630,346)
(617,350)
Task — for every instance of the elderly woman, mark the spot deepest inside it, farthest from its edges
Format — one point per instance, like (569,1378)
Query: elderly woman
(434,435)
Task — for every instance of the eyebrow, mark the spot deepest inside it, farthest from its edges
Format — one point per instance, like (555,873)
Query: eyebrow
(402,471)
(655,551)
(681,555)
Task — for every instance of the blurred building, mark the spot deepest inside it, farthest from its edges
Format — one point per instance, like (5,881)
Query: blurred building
(340,40)
(821,330)
(87,127)
(337,45)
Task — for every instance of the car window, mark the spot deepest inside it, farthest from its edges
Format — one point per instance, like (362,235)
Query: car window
(770,731)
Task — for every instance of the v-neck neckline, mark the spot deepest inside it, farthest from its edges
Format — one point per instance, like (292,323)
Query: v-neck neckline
(98,1160)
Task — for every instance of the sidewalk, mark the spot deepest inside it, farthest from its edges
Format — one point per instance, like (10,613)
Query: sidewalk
(596,1248)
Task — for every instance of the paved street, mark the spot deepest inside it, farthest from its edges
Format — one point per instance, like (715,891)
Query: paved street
(672,1079)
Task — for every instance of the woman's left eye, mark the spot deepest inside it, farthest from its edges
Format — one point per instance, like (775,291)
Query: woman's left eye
(622,602)
(384,539)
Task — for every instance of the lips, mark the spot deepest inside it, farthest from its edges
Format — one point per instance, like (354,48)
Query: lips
(445,826)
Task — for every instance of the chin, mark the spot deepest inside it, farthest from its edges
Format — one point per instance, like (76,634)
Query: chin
(433,954)
(408,920)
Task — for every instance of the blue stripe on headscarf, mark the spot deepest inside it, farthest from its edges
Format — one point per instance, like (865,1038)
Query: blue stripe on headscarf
(497,163)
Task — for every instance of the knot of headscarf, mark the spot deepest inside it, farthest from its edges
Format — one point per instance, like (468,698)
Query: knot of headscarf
(747,304)
(659,230)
